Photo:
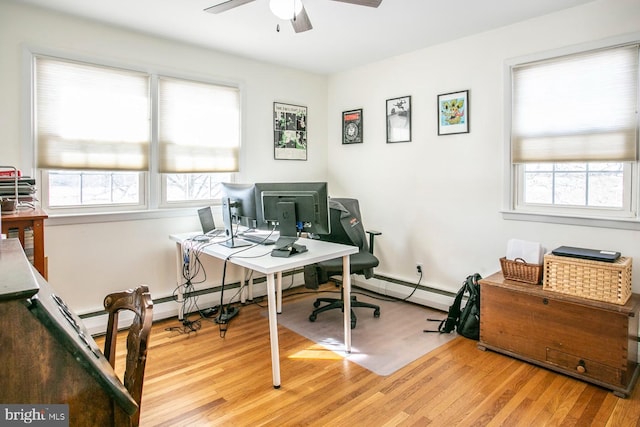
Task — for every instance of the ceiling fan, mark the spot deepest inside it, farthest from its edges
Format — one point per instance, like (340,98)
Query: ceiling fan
(292,10)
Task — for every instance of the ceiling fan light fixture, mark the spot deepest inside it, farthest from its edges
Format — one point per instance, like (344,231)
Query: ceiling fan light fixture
(285,9)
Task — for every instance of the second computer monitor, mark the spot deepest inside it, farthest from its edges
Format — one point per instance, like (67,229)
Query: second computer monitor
(293,206)
(242,204)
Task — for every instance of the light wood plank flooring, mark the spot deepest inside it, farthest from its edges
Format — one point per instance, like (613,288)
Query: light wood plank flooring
(202,379)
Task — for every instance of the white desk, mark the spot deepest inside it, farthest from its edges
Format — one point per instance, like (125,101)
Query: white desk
(249,257)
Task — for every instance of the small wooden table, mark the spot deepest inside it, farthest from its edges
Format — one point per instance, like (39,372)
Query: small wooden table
(29,218)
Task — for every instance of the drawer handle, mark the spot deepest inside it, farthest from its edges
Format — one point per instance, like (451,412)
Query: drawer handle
(581,368)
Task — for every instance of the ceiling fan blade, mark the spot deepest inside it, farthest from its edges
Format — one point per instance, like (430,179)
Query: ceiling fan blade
(224,6)
(370,3)
(301,22)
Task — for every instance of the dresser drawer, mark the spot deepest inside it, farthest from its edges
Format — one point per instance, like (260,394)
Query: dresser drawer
(584,367)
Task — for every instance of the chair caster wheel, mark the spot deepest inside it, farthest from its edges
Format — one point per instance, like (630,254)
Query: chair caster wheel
(376,313)
(312,318)
(353,324)
(316,304)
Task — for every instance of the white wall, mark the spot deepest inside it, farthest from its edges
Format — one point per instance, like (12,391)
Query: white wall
(87,261)
(437,199)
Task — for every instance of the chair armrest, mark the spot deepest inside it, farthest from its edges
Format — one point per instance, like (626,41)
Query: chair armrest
(372,234)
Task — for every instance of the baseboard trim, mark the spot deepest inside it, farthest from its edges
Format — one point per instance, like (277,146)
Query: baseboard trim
(167,307)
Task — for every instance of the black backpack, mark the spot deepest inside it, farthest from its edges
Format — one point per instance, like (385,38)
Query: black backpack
(467,320)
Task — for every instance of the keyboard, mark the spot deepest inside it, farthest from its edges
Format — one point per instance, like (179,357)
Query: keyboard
(257,238)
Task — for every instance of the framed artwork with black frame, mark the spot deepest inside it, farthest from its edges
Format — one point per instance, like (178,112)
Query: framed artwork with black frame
(453,113)
(289,131)
(352,127)
(399,119)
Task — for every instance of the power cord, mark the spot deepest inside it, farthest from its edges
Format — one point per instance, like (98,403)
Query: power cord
(415,287)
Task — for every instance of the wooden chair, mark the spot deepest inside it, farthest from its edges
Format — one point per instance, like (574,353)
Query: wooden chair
(139,302)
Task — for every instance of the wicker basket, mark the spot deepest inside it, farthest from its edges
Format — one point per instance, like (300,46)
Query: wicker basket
(596,280)
(521,271)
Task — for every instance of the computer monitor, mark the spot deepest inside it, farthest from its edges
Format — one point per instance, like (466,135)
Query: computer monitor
(243,202)
(293,207)
(239,208)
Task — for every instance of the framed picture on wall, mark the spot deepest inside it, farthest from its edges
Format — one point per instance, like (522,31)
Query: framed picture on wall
(352,127)
(399,119)
(453,113)
(289,131)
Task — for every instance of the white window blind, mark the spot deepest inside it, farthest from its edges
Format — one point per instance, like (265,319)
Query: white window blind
(199,127)
(91,117)
(581,107)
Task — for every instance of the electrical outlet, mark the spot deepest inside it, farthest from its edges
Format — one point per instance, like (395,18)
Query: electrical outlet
(418,268)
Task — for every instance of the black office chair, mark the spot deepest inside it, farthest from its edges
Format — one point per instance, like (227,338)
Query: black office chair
(346,228)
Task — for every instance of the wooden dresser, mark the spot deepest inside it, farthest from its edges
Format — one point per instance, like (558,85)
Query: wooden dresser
(23,220)
(590,340)
(47,356)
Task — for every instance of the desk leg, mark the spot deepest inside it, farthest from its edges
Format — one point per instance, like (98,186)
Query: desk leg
(279,292)
(180,298)
(346,289)
(243,286)
(273,330)
(247,285)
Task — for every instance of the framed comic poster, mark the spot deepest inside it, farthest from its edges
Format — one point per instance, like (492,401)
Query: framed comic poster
(289,131)
(453,113)
(352,127)
(399,119)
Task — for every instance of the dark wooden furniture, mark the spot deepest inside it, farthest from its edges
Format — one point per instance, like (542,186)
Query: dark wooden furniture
(590,340)
(47,356)
(22,220)
(140,303)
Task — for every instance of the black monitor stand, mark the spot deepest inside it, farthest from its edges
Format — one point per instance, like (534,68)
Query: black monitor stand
(227,218)
(285,246)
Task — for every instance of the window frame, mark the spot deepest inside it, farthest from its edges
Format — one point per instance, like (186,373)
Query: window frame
(43,178)
(626,211)
(153,203)
(513,174)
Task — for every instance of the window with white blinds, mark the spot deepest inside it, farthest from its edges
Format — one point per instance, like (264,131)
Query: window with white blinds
(107,137)
(581,107)
(199,127)
(574,134)
(90,117)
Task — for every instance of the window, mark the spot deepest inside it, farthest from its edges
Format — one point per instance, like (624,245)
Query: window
(110,139)
(574,143)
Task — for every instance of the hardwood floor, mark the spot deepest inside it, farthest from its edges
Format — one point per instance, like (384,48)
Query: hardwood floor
(202,379)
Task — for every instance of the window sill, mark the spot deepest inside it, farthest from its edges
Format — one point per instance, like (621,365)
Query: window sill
(102,217)
(617,223)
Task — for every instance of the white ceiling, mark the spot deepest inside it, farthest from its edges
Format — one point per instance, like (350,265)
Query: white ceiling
(343,35)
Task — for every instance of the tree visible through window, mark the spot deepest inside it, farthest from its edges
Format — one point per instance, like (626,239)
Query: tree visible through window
(574,184)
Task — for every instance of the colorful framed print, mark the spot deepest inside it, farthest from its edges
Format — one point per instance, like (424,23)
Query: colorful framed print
(289,131)
(453,113)
(399,119)
(352,127)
